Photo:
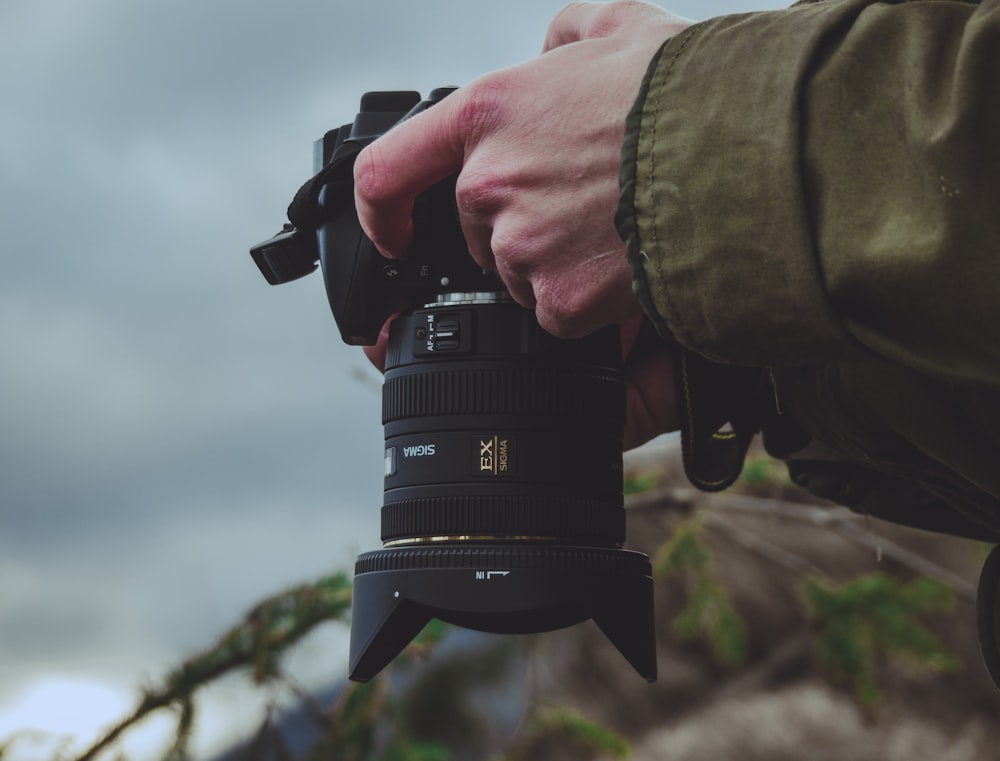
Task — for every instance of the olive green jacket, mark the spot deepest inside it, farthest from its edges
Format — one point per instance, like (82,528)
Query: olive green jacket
(811,206)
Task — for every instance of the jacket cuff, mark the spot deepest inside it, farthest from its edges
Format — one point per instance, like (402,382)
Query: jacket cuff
(711,138)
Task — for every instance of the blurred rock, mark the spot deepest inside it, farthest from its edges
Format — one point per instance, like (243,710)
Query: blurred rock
(765,538)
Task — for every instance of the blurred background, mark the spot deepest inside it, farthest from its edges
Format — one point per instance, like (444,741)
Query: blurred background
(178,439)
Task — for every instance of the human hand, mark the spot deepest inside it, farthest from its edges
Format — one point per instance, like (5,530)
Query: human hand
(537,148)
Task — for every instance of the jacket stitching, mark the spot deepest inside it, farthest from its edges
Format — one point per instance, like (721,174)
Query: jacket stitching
(649,178)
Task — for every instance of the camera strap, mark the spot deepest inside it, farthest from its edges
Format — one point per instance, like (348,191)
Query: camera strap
(293,252)
(337,176)
(718,415)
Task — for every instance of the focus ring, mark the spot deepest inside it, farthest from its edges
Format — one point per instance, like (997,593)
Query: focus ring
(517,390)
(507,557)
(559,518)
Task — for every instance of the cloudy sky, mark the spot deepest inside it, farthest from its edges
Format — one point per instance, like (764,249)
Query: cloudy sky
(177,438)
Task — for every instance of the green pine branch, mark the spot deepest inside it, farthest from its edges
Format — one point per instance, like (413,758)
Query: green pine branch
(708,609)
(562,726)
(255,644)
(862,622)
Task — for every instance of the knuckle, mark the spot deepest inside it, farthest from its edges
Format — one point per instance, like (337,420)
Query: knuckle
(590,20)
(485,104)
(511,265)
(615,15)
(564,16)
(563,312)
(513,253)
(478,192)
(515,265)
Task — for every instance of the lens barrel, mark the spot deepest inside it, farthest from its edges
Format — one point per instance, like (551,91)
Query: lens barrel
(503,507)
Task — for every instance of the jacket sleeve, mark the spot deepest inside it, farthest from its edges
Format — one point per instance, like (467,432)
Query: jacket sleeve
(821,184)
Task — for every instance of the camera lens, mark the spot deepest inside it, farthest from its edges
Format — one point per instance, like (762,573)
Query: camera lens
(496,430)
(503,507)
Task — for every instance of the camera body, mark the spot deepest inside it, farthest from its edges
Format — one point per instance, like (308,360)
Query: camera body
(363,287)
(503,507)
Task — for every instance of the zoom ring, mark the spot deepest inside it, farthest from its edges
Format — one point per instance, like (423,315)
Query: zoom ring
(525,391)
(503,516)
(519,557)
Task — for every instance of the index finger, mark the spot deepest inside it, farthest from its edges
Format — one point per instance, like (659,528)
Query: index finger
(397,167)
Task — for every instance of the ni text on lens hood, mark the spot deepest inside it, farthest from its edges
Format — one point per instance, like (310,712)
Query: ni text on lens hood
(503,507)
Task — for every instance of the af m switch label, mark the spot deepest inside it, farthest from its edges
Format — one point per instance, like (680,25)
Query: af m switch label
(493,455)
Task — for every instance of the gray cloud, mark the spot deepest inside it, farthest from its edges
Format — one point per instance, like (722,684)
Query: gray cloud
(177,438)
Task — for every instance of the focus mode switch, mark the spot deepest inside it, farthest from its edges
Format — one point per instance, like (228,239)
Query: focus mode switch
(447,332)
(442,333)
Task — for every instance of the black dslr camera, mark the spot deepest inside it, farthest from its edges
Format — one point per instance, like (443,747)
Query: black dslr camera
(503,507)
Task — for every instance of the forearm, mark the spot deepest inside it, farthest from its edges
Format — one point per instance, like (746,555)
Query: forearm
(819,184)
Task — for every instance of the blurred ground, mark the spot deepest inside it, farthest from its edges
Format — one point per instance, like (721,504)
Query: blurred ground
(765,538)
(480,696)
